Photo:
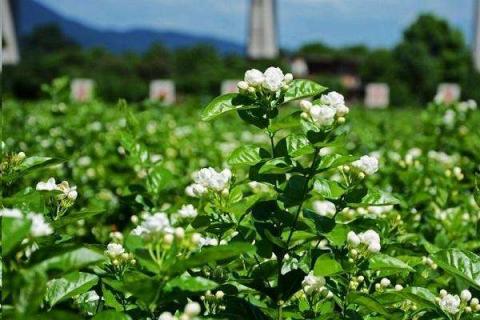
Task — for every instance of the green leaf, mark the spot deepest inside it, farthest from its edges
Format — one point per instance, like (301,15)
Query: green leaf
(375,197)
(334,160)
(111,315)
(213,254)
(32,285)
(188,283)
(68,286)
(460,263)
(295,190)
(299,89)
(328,189)
(158,179)
(326,265)
(277,166)
(14,230)
(74,217)
(420,296)
(383,262)
(367,302)
(71,260)
(246,155)
(298,145)
(338,235)
(225,103)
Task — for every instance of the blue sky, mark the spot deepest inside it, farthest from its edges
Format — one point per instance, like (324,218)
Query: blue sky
(377,23)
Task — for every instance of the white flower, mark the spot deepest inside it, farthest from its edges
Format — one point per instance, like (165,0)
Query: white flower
(324,208)
(305,105)
(67,191)
(449,118)
(323,115)
(353,239)
(368,237)
(187,211)
(273,79)
(335,100)
(114,250)
(49,185)
(450,303)
(374,247)
(39,227)
(156,223)
(11,213)
(192,309)
(366,164)
(466,295)
(254,77)
(288,78)
(195,190)
(166,316)
(312,283)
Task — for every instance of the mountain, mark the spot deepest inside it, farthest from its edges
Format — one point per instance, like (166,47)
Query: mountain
(31,14)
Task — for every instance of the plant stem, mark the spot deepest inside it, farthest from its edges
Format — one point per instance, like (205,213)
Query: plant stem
(310,174)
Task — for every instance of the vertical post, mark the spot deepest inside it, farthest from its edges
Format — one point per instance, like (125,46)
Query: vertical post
(9,41)
(262,42)
(476,35)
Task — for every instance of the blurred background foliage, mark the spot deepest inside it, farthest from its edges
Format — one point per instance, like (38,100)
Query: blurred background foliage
(430,52)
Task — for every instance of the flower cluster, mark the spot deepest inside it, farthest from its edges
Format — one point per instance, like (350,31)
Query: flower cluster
(324,208)
(118,256)
(366,164)
(454,304)
(67,191)
(213,301)
(155,227)
(11,162)
(313,284)
(369,240)
(272,80)
(324,111)
(191,311)
(209,180)
(38,228)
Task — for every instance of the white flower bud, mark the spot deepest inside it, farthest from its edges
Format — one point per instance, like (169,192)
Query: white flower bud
(179,232)
(474,302)
(288,78)
(360,278)
(219,294)
(374,247)
(192,309)
(466,295)
(443,293)
(305,105)
(398,287)
(168,238)
(242,85)
(353,239)
(385,282)
(21,155)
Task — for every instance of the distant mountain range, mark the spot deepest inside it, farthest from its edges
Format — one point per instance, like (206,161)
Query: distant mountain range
(31,14)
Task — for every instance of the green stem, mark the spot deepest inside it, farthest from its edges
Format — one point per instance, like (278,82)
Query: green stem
(311,173)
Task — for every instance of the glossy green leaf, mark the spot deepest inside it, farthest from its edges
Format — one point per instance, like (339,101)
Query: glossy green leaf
(277,166)
(299,89)
(71,260)
(225,103)
(368,302)
(460,263)
(14,230)
(334,160)
(328,189)
(246,155)
(298,145)
(188,283)
(111,315)
(68,286)
(326,265)
(383,262)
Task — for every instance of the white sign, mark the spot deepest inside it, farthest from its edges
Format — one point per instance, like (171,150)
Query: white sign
(299,67)
(81,90)
(377,95)
(163,90)
(448,92)
(229,86)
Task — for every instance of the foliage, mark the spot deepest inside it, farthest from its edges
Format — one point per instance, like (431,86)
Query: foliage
(302,225)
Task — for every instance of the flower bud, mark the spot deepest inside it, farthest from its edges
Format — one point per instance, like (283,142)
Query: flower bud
(192,309)
(251,90)
(466,295)
(21,155)
(196,237)
(353,239)
(398,287)
(361,175)
(468,309)
(360,278)
(134,219)
(474,302)
(168,238)
(341,120)
(385,282)
(305,105)
(219,294)
(179,232)
(288,78)
(443,293)
(242,85)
